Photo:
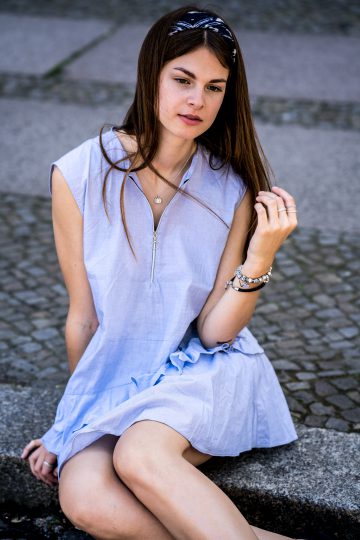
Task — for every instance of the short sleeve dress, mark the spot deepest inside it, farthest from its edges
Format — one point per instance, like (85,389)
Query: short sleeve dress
(145,360)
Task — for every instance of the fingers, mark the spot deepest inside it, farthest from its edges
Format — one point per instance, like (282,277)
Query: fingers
(41,461)
(280,207)
(270,201)
(289,203)
(35,443)
(47,465)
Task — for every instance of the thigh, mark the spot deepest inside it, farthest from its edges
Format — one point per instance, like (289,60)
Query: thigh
(149,440)
(195,457)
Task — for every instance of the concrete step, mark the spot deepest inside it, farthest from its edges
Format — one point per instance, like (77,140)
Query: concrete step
(324,66)
(280,64)
(35,45)
(299,489)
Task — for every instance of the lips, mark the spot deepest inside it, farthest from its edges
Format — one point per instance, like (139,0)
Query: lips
(191,117)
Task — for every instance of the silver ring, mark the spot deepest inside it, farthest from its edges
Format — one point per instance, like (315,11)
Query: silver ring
(283,209)
(47,463)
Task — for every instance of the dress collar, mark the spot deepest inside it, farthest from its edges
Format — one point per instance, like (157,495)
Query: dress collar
(188,173)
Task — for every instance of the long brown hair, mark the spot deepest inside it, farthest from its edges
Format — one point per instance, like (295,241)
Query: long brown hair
(230,140)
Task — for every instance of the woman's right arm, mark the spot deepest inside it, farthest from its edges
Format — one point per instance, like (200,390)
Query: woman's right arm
(81,322)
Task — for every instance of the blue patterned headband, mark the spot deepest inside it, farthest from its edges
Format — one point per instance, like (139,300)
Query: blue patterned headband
(202,19)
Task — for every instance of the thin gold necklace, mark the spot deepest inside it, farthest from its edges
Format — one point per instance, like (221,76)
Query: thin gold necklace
(157,199)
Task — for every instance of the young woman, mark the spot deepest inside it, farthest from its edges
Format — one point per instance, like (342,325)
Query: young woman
(166,229)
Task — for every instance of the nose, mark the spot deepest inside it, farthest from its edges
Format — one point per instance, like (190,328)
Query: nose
(196,98)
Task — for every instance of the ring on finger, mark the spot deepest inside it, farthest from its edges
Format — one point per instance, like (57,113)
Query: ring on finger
(47,463)
(283,209)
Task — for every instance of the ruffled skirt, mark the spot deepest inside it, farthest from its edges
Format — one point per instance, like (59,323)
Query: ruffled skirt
(224,400)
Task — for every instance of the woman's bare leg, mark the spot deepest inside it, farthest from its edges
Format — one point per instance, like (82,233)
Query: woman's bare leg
(95,500)
(149,459)
(262,534)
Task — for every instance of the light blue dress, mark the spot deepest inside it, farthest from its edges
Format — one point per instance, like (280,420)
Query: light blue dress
(145,360)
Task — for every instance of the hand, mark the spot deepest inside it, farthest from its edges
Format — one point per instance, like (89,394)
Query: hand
(274,224)
(36,452)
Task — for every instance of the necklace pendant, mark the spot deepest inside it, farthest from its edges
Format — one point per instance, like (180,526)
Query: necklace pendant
(157,199)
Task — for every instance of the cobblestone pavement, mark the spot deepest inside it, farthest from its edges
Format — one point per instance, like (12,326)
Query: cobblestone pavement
(307,319)
(324,16)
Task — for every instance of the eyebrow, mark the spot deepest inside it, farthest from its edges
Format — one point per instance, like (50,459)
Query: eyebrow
(192,76)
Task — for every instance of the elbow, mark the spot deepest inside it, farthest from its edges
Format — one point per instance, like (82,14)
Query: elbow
(209,340)
(87,323)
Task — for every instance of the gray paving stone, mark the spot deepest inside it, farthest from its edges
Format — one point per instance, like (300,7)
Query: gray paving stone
(345,383)
(349,331)
(320,409)
(340,401)
(285,364)
(304,376)
(315,421)
(297,385)
(324,388)
(337,423)
(331,373)
(37,44)
(304,396)
(295,405)
(354,395)
(353,415)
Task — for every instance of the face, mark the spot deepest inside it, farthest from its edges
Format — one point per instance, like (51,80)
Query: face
(191,91)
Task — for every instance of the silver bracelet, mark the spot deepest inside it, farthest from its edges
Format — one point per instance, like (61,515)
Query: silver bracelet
(245,280)
(243,289)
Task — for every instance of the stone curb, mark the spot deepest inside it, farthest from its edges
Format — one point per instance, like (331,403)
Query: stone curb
(297,489)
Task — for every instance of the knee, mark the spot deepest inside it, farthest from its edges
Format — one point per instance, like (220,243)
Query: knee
(79,508)
(135,464)
(84,508)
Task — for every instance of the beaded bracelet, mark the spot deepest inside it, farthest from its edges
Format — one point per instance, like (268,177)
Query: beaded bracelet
(243,289)
(245,280)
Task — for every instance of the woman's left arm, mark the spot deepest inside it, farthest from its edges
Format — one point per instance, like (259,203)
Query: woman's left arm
(226,312)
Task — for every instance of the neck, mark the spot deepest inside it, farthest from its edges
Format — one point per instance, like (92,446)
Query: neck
(172,156)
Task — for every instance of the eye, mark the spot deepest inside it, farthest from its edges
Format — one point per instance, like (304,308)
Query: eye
(180,80)
(215,88)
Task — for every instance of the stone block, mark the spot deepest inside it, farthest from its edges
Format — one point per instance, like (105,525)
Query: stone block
(307,482)
(35,45)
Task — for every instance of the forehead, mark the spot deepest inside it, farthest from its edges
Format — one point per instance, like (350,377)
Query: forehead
(202,62)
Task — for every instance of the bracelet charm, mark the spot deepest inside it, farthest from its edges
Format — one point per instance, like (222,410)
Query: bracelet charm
(245,280)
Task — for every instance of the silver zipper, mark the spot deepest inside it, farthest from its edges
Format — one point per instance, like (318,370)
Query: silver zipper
(153,254)
(154,238)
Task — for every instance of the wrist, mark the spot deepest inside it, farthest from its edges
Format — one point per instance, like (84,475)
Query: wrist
(256,267)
